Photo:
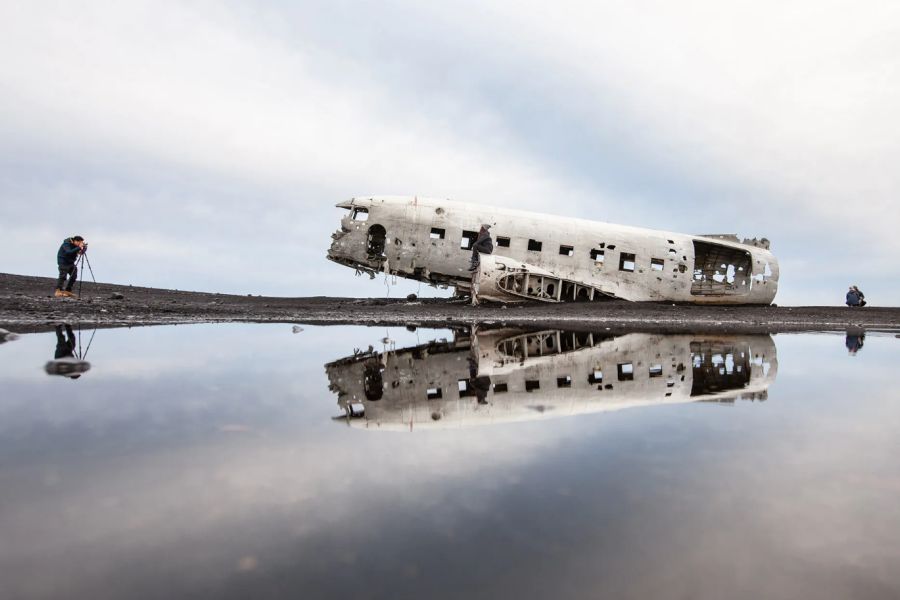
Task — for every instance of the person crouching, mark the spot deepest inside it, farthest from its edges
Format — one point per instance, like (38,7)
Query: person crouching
(66,259)
(855,297)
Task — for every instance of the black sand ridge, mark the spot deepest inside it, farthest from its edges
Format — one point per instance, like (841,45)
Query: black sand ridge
(27,304)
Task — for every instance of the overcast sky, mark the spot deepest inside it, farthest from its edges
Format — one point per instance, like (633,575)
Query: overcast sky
(203,145)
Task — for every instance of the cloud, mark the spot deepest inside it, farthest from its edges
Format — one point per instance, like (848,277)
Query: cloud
(195,125)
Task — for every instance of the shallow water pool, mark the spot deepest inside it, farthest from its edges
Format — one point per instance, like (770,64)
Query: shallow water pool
(249,461)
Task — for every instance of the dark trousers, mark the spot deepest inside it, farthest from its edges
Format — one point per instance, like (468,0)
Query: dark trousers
(65,344)
(70,271)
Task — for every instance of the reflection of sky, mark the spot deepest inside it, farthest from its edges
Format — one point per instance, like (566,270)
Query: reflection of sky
(203,460)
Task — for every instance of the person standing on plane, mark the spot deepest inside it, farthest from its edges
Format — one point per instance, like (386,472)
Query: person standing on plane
(483,245)
(69,252)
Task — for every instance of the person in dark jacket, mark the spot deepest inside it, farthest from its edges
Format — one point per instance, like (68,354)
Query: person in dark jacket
(66,258)
(855,297)
(482,384)
(855,341)
(483,245)
(862,297)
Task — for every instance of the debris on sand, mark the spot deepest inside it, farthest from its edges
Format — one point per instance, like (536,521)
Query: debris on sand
(7,336)
(146,306)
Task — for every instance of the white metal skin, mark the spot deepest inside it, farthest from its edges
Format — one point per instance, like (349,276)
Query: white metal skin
(663,266)
(533,376)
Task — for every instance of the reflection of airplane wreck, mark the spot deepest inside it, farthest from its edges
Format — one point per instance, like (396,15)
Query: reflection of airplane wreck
(507,375)
(552,259)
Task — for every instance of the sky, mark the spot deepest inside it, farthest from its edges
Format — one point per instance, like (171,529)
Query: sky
(203,145)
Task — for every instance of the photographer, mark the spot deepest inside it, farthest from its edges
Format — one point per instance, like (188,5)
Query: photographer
(66,258)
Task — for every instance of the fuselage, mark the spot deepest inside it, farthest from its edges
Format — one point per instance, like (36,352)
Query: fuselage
(430,240)
(506,376)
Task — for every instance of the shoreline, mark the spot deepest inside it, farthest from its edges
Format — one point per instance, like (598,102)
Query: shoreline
(27,305)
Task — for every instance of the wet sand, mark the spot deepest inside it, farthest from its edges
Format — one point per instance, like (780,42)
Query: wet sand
(27,304)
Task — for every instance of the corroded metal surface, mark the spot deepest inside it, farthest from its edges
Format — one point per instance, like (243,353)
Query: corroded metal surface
(510,375)
(430,240)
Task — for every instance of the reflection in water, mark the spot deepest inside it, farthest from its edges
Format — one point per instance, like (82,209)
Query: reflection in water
(508,375)
(68,359)
(854,341)
(202,462)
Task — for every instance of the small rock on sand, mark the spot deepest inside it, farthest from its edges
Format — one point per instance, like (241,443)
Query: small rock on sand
(7,336)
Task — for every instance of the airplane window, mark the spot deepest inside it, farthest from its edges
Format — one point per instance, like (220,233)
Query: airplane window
(534,245)
(499,388)
(597,256)
(465,389)
(532,384)
(657,264)
(564,382)
(361,214)
(434,393)
(626,371)
(626,262)
(502,242)
(656,370)
(437,233)
(566,250)
(468,239)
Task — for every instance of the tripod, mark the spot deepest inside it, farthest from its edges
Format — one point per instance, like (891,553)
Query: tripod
(81,262)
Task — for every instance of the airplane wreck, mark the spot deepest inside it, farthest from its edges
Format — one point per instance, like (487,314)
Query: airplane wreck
(510,375)
(549,258)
